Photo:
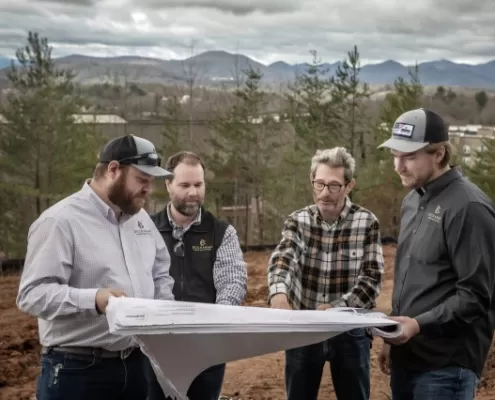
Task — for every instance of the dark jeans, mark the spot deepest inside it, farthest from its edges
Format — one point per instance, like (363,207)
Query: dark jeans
(349,357)
(80,377)
(451,383)
(206,386)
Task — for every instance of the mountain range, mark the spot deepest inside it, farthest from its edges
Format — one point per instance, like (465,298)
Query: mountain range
(214,67)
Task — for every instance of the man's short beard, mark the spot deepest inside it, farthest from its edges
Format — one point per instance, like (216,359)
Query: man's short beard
(183,208)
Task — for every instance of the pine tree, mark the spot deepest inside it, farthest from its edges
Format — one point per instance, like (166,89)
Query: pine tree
(482,171)
(45,153)
(247,145)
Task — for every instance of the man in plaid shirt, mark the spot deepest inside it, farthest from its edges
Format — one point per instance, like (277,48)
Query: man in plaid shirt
(330,255)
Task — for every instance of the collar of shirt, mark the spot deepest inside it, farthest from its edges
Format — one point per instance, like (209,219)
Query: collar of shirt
(100,205)
(196,220)
(431,189)
(342,216)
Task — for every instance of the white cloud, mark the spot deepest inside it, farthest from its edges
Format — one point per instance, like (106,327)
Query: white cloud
(267,31)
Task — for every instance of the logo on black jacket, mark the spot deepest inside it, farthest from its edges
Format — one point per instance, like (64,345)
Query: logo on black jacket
(202,246)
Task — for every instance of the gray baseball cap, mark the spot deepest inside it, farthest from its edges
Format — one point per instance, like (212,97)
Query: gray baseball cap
(415,130)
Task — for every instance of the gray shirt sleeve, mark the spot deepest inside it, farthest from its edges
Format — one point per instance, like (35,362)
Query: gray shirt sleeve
(164,283)
(44,290)
(469,236)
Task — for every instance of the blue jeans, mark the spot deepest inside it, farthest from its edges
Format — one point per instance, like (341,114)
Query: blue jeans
(81,377)
(206,386)
(450,383)
(349,357)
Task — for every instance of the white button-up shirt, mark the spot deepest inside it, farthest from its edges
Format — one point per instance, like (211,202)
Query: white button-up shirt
(78,246)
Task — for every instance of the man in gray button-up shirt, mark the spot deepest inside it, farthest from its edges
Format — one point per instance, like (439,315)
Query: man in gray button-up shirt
(94,244)
(444,272)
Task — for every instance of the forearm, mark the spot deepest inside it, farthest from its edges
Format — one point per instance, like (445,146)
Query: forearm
(232,292)
(279,277)
(457,312)
(368,283)
(280,271)
(164,283)
(230,279)
(362,295)
(163,288)
(50,300)
(284,260)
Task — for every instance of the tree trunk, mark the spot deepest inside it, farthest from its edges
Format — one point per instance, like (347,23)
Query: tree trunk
(259,212)
(37,186)
(246,228)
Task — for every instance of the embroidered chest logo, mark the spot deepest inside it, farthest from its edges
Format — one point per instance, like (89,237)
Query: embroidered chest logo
(202,246)
(141,230)
(436,216)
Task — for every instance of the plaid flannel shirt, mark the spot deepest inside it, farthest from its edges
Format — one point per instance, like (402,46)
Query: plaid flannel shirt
(320,263)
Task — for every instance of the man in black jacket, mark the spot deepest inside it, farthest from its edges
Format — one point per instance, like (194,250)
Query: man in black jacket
(444,276)
(206,259)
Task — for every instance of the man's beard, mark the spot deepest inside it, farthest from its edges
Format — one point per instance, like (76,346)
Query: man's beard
(120,196)
(185,209)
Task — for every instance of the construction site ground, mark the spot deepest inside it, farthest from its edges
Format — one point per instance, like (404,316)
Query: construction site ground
(259,378)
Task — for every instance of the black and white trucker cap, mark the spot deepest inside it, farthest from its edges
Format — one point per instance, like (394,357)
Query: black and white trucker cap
(415,130)
(135,151)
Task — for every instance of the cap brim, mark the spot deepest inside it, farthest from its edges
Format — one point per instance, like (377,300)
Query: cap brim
(404,146)
(157,172)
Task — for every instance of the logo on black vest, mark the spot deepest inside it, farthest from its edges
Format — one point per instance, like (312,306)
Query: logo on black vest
(202,246)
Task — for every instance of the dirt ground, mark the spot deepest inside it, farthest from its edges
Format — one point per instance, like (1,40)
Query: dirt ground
(260,378)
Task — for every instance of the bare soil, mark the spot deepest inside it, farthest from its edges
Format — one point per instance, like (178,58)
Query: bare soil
(259,378)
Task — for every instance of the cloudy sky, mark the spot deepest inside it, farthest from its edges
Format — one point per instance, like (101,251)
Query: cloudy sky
(266,30)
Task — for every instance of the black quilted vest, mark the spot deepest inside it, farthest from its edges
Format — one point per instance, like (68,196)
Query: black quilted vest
(193,273)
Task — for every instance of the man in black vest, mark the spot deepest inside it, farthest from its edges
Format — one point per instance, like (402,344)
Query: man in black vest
(206,259)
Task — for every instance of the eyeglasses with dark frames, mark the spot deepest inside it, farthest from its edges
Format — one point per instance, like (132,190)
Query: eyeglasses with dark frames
(332,187)
(152,159)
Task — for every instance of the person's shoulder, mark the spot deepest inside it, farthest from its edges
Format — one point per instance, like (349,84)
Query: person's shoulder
(303,216)
(412,195)
(461,197)
(411,198)
(363,213)
(221,227)
(476,213)
(62,209)
(479,208)
(58,215)
(207,214)
(465,192)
